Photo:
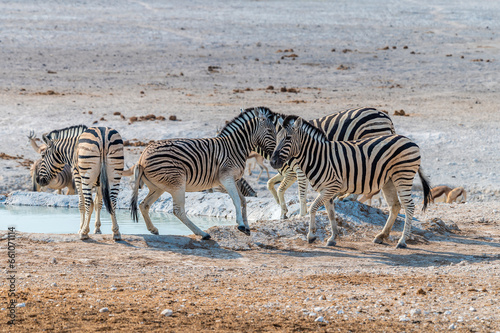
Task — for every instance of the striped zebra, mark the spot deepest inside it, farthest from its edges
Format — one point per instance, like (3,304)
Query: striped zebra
(58,183)
(387,162)
(190,165)
(96,157)
(351,124)
(62,180)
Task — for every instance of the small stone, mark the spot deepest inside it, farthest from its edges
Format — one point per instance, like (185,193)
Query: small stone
(472,309)
(318,309)
(104,310)
(113,289)
(321,298)
(312,314)
(54,284)
(161,280)
(447,312)
(404,318)
(20,305)
(451,327)
(415,312)
(319,319)
(421,292)
(53,261)
(167,312)
(340,312)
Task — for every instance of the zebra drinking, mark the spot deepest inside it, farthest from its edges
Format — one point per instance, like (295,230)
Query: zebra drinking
(351,124)
(96,157)
(387,162)
(189,165)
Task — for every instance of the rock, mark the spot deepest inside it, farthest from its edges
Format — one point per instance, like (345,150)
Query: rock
(471,309)
(404,318)
(161,280)
(20,305)
(415,312)
(318,309)
(167,312)
(53,261)
(54,284)
(312,314)
(319,319)
(113,289)
(340,312)
(104,310)
(451,327)
(447,312)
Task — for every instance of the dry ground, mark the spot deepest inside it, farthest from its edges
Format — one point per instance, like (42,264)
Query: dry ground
(449,282)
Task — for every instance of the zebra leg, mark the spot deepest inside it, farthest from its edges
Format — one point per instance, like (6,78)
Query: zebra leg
(391,196)
(179,199)
(270,186)
(114,225)
(145,205)
(243,207)
(404,191)
(98,207)
(89,207)
(288,181)
(317,203)
(260,173)
(302,180)
(231,188)
(330,208)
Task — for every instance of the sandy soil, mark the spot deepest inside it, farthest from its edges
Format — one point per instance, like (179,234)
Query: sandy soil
(85,62)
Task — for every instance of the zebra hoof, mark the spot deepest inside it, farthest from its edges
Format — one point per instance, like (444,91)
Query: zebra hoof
(378,240)
(284,217)
(244,230)
(117,237)
(331,243)
(312,239)
(84,236)
(97,231)
(401,246)
(206,237)
(155,232)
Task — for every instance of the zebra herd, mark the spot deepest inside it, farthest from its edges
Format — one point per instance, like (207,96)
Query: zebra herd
(351,152)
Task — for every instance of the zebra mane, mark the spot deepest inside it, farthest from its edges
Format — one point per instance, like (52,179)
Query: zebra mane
(242,118)
(315,132)
(68,132)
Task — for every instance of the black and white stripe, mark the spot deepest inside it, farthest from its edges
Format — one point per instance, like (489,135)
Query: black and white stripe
(189,165)
(59,182)
(96,157)
(351,124)
(388,163)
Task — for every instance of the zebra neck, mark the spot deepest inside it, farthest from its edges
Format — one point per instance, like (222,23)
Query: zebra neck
(67,149)
(262,152)
(312,153)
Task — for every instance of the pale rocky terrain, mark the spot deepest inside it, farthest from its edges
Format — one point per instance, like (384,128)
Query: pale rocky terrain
(63,64)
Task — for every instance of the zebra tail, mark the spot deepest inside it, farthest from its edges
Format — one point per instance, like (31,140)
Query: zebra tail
(135,193)
(427,188)
(105,187)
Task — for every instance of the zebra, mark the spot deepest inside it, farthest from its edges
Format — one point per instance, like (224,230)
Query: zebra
(189,165)
(351,124)
(242,184)
(387,162)
(60,181)
(95,155)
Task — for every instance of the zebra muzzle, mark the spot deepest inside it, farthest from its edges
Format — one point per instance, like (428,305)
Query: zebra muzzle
(276,162)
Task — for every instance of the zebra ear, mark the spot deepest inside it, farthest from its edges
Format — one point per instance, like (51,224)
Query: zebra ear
(280,121)
(297,123)
(46,140)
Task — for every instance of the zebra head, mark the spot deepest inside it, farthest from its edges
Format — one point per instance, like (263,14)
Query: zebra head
(265,134)
(52,163)
(287,141)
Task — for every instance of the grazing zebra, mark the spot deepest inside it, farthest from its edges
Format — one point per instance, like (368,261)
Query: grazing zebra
(352,124)
(387,162)
(96,157)
(190,165)
(60,181)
